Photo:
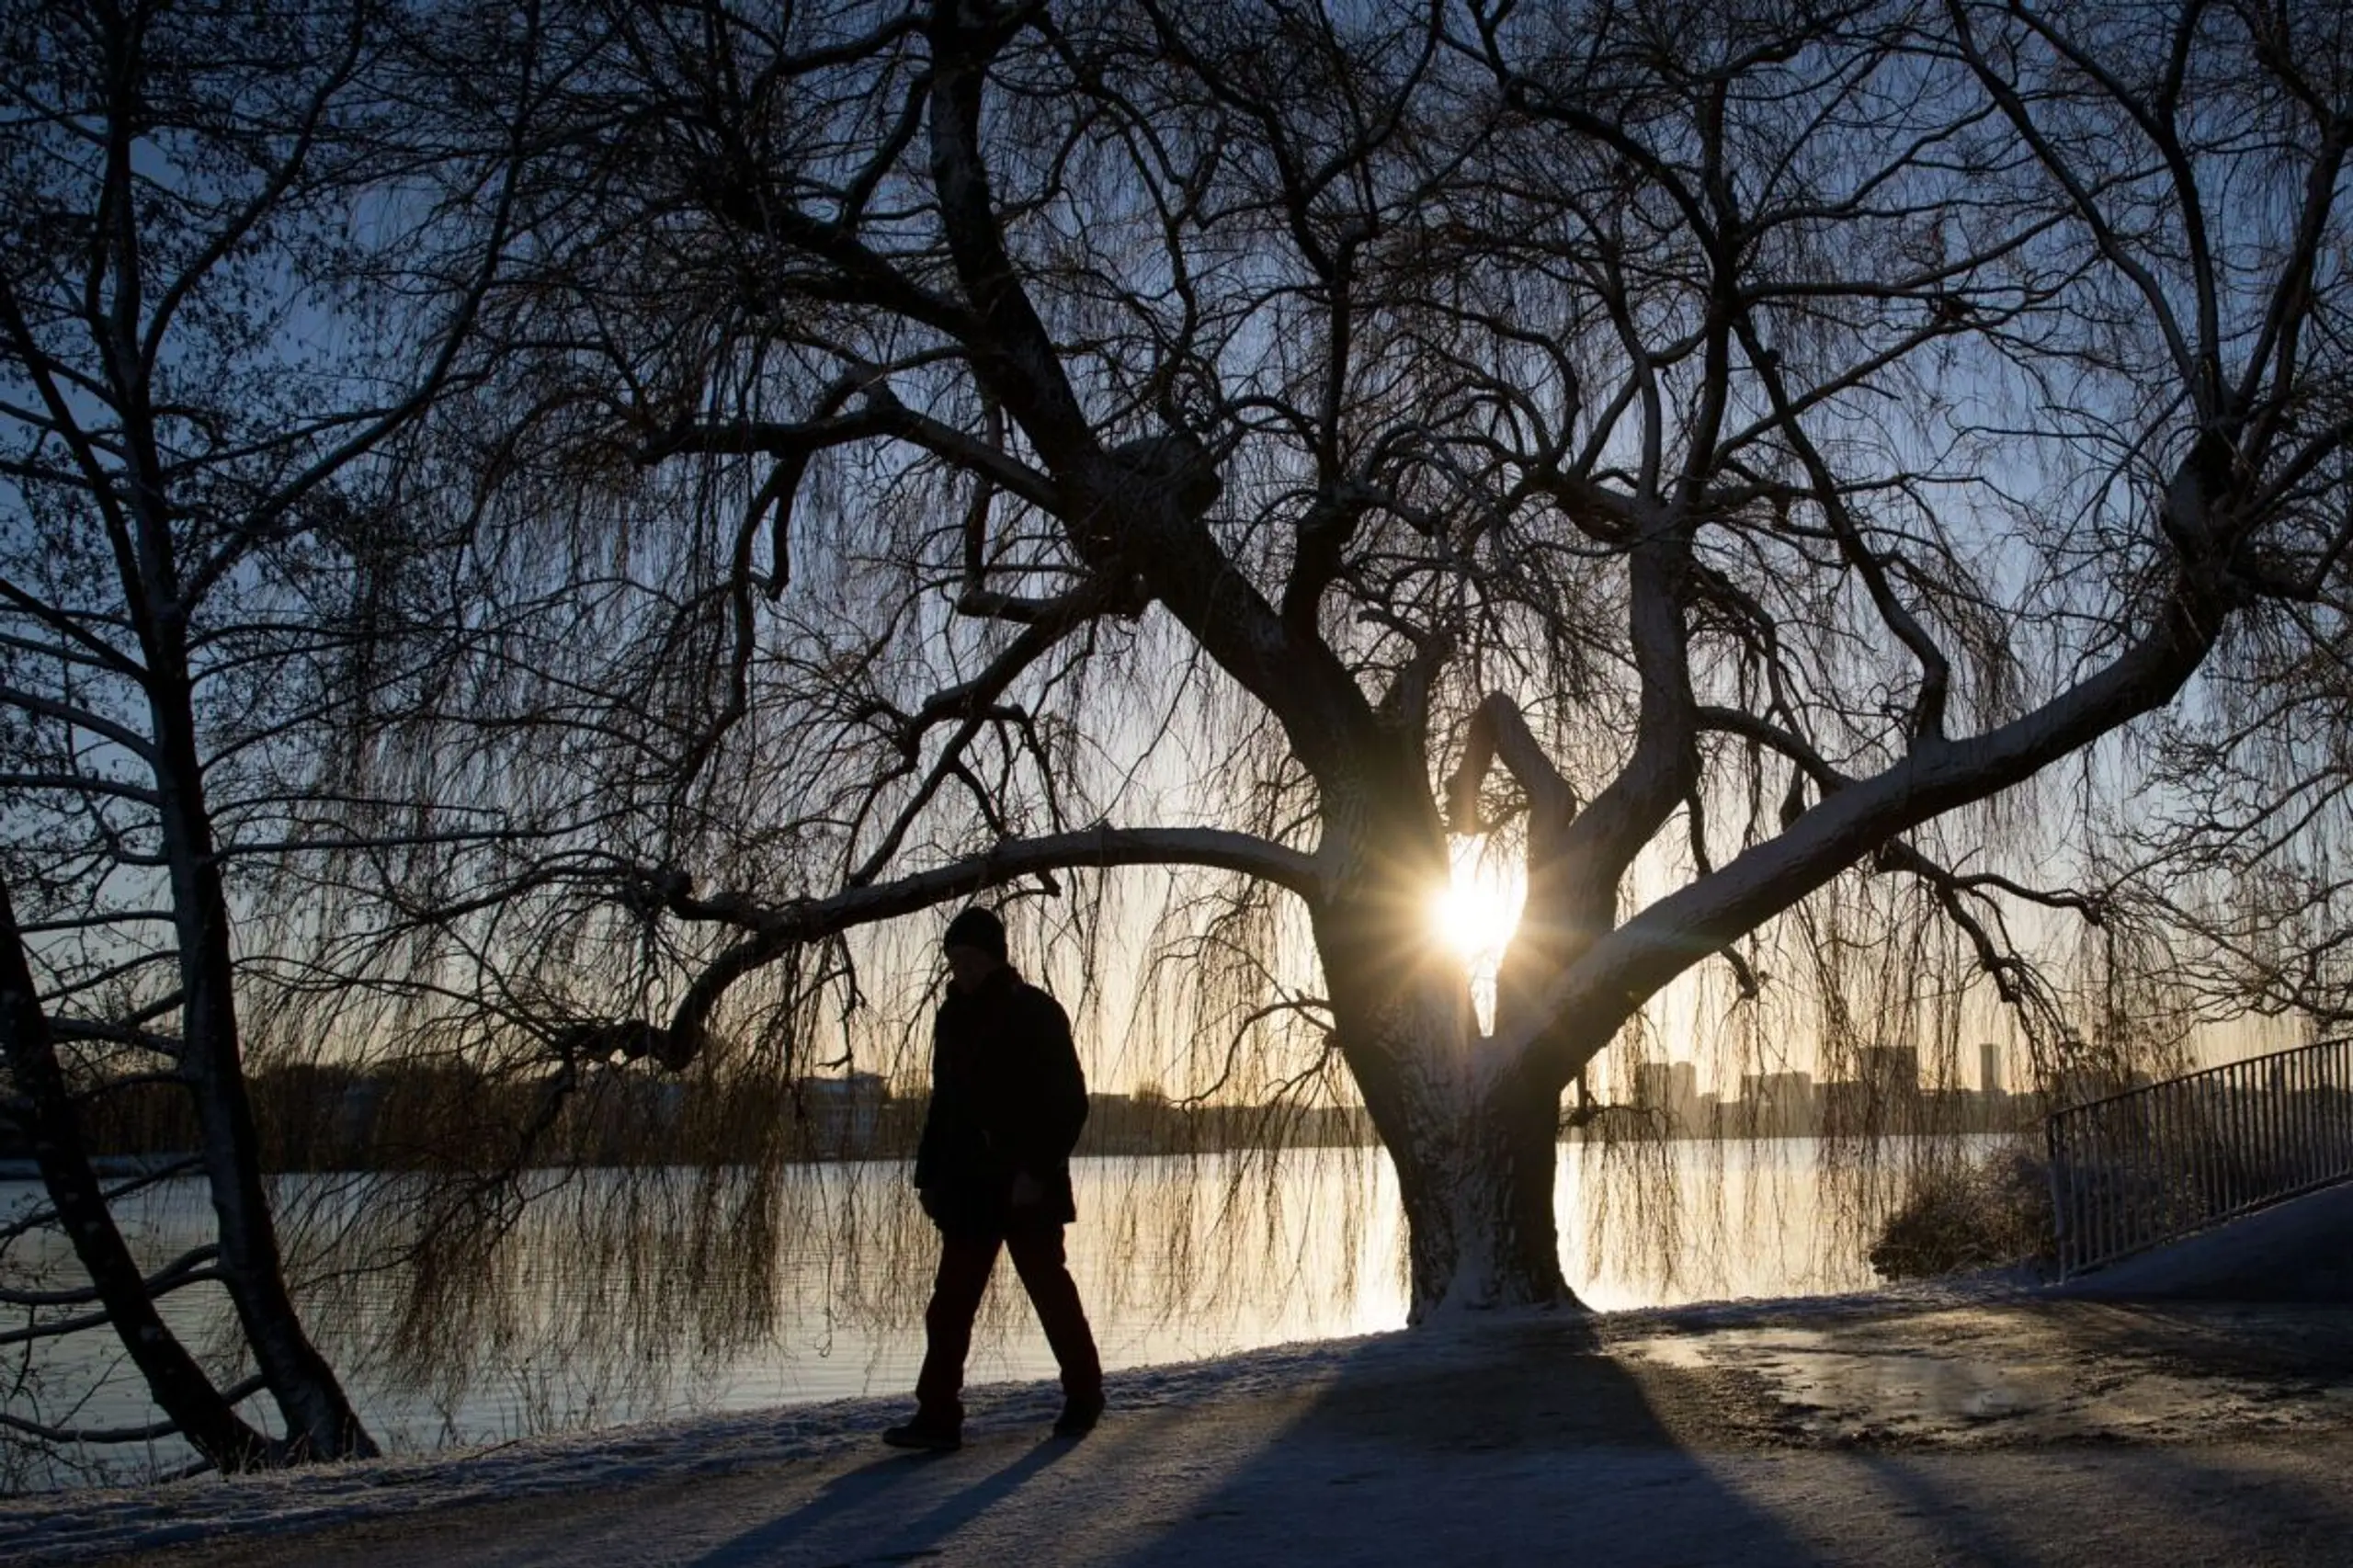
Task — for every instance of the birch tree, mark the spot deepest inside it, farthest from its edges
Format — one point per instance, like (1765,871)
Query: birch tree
(1711,456)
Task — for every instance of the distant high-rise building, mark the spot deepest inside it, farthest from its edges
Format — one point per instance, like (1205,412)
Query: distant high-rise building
(1791,1087)
(1889,1072)
(1669,1086)
(1989,1069)
(1882,1097)
(1778,1102)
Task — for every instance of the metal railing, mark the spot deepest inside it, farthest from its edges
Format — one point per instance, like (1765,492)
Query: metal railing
(2155,1163)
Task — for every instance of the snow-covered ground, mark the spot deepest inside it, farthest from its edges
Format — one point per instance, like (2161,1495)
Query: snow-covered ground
(1968,1424)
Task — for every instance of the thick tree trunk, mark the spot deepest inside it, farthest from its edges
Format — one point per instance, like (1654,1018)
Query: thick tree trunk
(1474,1135)
(1478,1180)
(187,1396)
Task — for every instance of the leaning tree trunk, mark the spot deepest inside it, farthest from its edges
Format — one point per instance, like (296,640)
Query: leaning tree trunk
(205,1416)
(320,1421)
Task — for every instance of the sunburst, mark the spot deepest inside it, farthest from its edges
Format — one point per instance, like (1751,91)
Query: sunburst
(1476,913)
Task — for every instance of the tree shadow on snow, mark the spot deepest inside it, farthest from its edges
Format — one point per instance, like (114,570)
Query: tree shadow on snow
(1518,1440)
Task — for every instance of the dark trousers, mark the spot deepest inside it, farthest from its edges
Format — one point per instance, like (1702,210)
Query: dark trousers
(965,1261)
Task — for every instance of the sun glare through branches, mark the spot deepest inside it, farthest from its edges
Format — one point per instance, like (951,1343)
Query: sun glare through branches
(1475,914)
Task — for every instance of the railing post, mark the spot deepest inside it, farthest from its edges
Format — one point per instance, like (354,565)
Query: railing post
(2062,1234)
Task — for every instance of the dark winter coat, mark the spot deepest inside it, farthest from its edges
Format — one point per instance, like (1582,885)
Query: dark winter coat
(1008,1096)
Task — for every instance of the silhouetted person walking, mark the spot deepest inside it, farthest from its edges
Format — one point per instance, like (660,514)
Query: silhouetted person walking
(1007,1101)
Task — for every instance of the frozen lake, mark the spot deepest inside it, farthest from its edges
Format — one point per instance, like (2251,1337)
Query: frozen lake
(621,1296)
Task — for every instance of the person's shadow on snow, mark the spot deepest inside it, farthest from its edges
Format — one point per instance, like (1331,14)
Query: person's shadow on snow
(1527,1437)
(917,1477)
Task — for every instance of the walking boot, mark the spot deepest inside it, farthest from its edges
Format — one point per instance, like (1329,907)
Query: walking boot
(1080,1412)
(924,1435)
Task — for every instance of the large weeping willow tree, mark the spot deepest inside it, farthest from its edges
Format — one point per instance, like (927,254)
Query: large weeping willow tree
(1705,461)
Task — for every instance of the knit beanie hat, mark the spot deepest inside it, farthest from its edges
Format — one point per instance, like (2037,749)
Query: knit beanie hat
(976,927)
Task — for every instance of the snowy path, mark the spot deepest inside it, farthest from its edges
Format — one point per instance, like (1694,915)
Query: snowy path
(1874,1433)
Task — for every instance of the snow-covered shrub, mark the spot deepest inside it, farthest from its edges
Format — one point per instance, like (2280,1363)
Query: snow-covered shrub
(1958,1218)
